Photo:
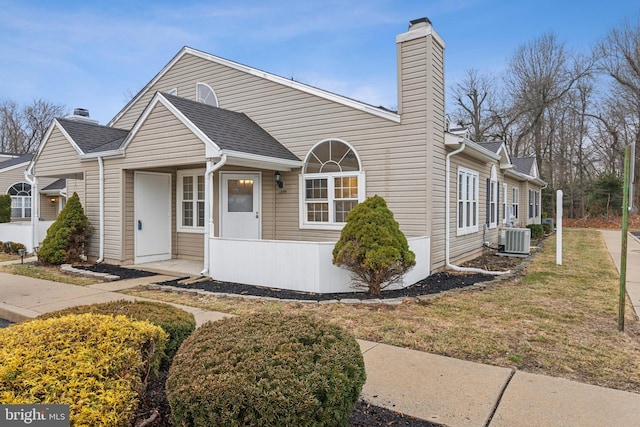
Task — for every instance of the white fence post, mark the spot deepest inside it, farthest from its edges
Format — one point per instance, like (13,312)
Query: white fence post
(559,227)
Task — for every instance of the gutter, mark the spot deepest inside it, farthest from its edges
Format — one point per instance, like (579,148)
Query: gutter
(447,243)
(208,210)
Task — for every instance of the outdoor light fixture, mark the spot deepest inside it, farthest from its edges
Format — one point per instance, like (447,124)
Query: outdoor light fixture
(279,180)
(21,253)
(53,200)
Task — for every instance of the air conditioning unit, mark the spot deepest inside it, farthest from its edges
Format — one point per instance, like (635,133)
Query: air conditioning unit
(516,240)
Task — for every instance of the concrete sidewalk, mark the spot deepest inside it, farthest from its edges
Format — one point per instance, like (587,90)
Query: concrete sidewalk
(439,389)
(613,240)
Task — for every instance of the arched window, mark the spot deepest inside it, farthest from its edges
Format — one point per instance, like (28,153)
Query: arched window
(206,95)
(20,200)
(332,184)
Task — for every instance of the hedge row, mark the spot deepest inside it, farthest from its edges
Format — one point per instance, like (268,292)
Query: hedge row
(97,364)
(177,323)
(266,370)
(11,247)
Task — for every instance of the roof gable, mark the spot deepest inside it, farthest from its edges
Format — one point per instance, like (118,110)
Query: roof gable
(378,111)
(92,137)
(16,162)
(526,165)
(222,131)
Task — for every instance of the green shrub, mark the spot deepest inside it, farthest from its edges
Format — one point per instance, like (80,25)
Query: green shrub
(537,231)
(372,246)
(11,247)
(177,323)
(96,364)
(5,208)
(266,370)
(546,227)
(67,235)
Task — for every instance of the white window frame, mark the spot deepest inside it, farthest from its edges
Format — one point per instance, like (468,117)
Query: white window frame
(515,202)
(467,198)
(24,201)
(173,91)
(304,223)
(531,204)
(207,99)
(505,191)
(493,198)
(194,173)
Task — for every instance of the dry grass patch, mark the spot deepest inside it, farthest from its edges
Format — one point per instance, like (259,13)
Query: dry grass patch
(52,273)
(555,320)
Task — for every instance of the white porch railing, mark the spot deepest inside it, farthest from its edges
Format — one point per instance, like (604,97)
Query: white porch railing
(22,232)
(300,266)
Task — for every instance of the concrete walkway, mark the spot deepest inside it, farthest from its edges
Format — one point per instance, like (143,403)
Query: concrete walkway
(613,240)
(439,389)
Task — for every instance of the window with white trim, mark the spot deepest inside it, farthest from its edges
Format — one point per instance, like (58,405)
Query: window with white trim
(332,184)
(536,203)
(530,203)
(468,193)
(505,189)
(20,193)
(190,201)
(493,198)
(515,200)
(205,94)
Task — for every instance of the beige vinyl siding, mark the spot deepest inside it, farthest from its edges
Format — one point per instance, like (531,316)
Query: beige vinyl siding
(48,209)
(58,158)
(300,120)
(15,176)
(10,177)
(190,246)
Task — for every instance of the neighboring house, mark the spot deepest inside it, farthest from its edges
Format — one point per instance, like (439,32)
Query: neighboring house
(14,183)
(254,174)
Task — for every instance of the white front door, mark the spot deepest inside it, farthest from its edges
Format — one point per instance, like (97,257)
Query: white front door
(152,202)
(241,210)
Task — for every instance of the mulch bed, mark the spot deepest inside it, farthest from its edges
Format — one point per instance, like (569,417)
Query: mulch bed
(115,270)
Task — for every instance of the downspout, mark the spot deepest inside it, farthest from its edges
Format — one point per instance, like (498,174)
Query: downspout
(35,204)
(208,209)
(448,225)
(101,191)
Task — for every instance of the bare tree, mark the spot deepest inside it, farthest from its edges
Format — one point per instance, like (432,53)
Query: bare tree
(22,128)
(619,54)
(474,97)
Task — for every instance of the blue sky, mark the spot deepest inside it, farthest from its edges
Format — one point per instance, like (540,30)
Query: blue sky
(97,54)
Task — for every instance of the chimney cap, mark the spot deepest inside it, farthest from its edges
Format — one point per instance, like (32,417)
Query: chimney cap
(81,112)
(415,22)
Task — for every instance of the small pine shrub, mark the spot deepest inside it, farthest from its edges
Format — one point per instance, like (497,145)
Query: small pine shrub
(96,364)
(546,227)
(67,236)
(537,231)
(177,323)
(266,370)
(372,246)
(5,208)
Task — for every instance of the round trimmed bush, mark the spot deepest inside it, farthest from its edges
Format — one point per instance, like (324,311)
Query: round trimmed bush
(177,323)
(266,370)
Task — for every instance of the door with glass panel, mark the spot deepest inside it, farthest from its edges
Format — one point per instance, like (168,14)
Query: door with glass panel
(240,211)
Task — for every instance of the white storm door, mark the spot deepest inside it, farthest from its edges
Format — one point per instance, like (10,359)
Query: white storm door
(240,208)
(152,201)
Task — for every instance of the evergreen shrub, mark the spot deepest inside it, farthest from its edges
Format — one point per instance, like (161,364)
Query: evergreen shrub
(5,208)
(67,236)
(177,323)
(266,369)
(546,227)
(96,364)
(373,247)
(537,231)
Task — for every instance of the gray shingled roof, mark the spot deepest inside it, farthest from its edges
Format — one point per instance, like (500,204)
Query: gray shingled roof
(492,146)
(92,137)
(523,164)
(23,158)
(230,130)
(59,184)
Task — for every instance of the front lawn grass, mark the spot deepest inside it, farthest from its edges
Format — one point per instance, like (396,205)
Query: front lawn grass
(47,273)
(554,320)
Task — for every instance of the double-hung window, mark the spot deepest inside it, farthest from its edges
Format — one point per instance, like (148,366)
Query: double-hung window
(505,189)
(191,199)
(468,186)
(332,185)
(20,200)
(515,200)
(531,204)
(492,198)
